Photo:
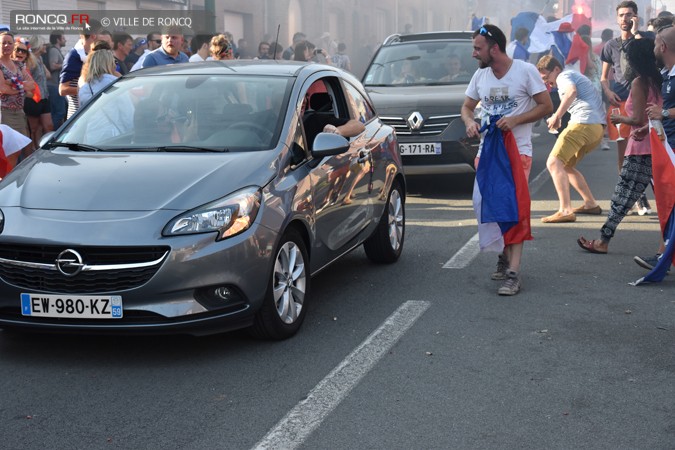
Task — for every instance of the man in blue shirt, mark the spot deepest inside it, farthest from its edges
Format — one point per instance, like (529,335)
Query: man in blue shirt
(72,65)
(169,52)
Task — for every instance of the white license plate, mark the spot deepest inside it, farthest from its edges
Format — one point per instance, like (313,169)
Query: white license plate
(72,306)
(428,148)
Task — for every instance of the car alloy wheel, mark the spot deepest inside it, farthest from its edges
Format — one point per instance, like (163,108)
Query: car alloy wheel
(386,243)
(285,304)
(395,220)
(289,282)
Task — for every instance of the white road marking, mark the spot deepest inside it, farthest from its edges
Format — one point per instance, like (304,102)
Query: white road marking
(465,255)
(470,250)
(306,416)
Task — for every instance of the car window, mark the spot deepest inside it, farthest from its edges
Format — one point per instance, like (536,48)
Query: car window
(364,112)
(230,112)
(421,63)
(324,103)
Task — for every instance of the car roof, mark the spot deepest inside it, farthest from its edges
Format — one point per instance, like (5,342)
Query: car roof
(429,36)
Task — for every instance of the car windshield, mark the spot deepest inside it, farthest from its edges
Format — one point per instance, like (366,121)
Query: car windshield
(182,113)
(422,63)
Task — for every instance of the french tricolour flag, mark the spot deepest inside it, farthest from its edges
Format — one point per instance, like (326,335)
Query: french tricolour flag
(663,173)
(501,198)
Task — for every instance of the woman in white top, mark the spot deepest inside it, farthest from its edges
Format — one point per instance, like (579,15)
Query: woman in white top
(100,72)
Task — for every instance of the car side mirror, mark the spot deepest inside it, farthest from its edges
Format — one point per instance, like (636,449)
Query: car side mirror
(329,144)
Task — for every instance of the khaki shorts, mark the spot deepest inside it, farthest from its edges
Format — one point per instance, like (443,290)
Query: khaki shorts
(576,141)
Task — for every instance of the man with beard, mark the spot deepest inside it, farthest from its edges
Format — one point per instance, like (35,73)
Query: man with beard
(169,52)
(514,90)
(616,91)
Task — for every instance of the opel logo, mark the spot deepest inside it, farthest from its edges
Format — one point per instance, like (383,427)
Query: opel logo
(69,262)
(415,121)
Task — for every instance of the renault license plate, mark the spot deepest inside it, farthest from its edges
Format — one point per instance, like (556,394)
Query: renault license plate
(72,306)
(428,148)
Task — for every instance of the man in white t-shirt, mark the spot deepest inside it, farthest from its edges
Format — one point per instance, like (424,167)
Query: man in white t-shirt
(583,134)
(514,90)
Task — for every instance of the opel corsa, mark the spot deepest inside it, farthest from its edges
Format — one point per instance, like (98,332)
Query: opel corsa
(198,198)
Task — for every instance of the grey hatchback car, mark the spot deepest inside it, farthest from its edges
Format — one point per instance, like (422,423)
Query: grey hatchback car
(418,83)
(198,198)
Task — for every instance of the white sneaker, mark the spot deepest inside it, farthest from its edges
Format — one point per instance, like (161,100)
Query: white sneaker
(644,208)
(604,145)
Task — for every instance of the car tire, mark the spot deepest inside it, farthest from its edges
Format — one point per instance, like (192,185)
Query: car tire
(285,304)
(386,243)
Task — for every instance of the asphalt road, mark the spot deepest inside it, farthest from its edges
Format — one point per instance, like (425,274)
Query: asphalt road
(407,356)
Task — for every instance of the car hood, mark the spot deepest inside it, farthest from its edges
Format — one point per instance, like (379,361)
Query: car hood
(65,180)
(403,99)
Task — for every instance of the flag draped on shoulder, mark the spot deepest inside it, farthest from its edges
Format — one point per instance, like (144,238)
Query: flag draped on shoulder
(663,173)
(501,197)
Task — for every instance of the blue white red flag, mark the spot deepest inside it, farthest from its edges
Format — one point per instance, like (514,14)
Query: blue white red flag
(525,19)
(541,38)
(501,198)
(663,174)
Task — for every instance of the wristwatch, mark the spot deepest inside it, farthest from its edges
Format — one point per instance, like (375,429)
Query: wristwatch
(665,113)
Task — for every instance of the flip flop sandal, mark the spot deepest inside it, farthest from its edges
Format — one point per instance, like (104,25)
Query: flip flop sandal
(589,246)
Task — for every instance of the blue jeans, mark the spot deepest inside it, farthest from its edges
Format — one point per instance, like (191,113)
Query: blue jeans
(57,105)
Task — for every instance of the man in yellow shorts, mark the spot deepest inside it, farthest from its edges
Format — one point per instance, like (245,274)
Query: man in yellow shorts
(583,133)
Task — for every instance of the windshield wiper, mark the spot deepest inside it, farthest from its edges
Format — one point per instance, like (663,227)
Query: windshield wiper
(73,146)
(190,148)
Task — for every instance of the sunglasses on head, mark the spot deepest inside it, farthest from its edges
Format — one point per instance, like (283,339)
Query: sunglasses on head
(484,32)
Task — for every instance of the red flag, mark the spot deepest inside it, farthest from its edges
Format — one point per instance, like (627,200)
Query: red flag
(37,95)
(578,51)
(663,173)
(522,231)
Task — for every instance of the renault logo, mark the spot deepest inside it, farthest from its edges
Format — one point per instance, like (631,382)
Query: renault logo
(69,263)
(415,121)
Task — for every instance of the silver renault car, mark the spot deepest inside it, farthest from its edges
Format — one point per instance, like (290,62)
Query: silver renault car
(198,198)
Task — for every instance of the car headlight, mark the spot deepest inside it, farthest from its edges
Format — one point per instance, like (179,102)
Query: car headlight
(228,216)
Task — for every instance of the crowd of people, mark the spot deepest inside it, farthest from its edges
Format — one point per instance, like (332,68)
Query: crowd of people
(42,87)
(584,93)
(587,95)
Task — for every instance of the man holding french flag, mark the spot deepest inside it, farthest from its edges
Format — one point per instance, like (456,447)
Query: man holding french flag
(663,159)
(512,97)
